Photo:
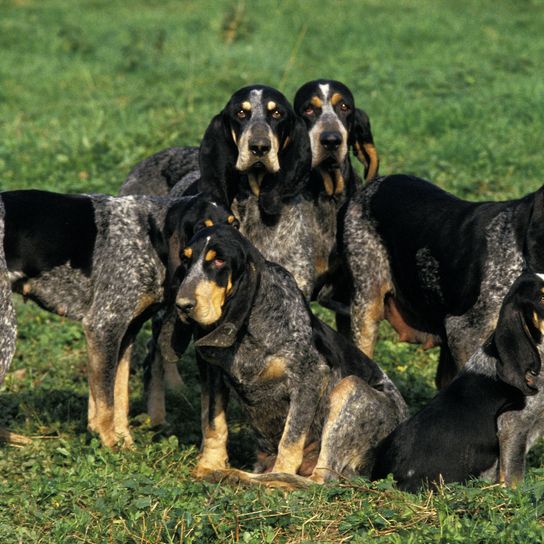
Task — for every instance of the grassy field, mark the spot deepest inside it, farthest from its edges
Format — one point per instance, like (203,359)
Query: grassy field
(455,94)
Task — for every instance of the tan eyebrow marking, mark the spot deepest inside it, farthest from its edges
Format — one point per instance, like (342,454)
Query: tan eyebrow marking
(271,106)
(336,97)
(210,256)
(246,105)
(208,223)
(188,252)
(230,219)
(316,101)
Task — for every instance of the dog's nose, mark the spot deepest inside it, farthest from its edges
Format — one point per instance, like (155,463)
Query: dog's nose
(185,305)
(330,140)
(260,147)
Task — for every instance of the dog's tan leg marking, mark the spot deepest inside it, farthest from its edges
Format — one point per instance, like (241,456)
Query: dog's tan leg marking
(121,399)
(337,401)
(366,319)
(213,454)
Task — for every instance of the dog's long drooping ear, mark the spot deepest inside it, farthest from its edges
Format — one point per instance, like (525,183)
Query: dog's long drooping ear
(239,303)
(295,159)
(515,340)
(362,143)
(218,153)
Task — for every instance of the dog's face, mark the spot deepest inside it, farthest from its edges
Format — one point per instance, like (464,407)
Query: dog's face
(257,134)
(334,123)
(517,340)
(327,108)
(186,218)
(259,119)
(215,260)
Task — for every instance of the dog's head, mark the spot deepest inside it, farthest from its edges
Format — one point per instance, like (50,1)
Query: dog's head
(184,219)
(256,139)
(220,284)
(517,340)
(334,124)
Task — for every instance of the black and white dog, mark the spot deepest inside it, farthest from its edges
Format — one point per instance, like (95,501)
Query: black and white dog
(486,420)
(437,267)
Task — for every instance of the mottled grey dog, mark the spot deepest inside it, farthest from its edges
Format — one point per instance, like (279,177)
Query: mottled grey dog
(101,260)
(301,384)
(435,266)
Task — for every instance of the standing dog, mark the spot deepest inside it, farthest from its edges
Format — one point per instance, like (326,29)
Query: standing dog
(299,382)
(334,125)
(437,267)
(483,423)
(99,260)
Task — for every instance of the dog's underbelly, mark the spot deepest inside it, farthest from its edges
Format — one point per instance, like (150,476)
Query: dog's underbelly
(63,290)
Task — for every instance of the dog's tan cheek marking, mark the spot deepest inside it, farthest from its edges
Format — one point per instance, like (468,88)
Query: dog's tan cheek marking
(188,252)
(271,105)
(328,183)
(274,370)
(336,97)
(209,302)
(233,134)
(210,255)
(208,223)
(316,102)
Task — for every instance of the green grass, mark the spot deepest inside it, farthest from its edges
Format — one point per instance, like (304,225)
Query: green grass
(454,91)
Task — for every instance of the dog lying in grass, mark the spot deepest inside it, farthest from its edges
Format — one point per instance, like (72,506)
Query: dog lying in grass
(298,381)
(488,418)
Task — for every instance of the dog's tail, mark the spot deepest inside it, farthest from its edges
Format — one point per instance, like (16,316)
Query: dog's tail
(8,328)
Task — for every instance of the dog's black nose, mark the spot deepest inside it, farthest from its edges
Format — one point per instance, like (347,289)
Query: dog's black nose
(330,140)
(260,147)
(185,305)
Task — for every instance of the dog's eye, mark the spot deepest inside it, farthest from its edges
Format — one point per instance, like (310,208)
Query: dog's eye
(309,110)
(218,263)
(276,114)
(241,114)
(344,106)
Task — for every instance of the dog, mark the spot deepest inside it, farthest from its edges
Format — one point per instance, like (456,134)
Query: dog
(437,267)
(486,420)
(299,382)
(334,126)
(101,260)
(156,175)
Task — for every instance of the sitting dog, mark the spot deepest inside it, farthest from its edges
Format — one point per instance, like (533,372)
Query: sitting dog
(99,260)
(298,381)
(483,423)
(437,267)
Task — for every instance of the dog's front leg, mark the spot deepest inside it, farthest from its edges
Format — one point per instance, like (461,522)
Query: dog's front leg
(307,390)
(214,399)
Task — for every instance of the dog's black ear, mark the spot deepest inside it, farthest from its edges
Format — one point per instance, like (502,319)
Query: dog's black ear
(295,159)
(238,307)
(362,143)
(514,343)
(218,154)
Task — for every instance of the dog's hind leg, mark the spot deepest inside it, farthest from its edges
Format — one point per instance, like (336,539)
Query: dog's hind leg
(358,417)
(103,346)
